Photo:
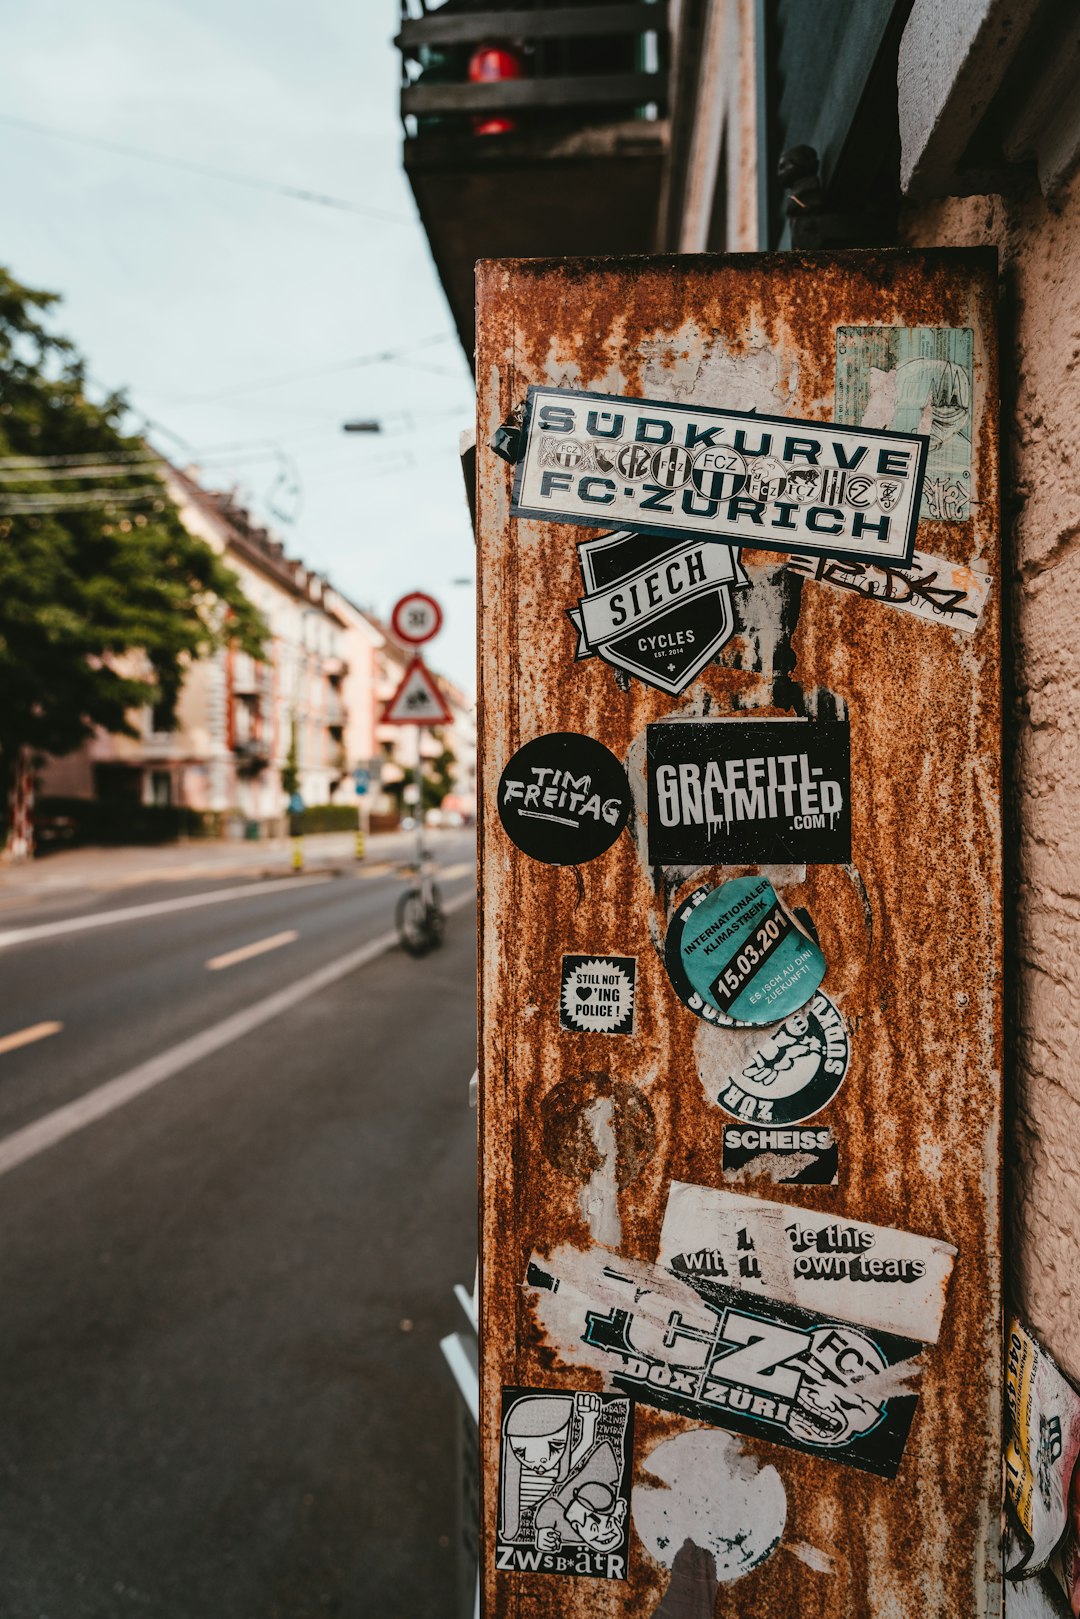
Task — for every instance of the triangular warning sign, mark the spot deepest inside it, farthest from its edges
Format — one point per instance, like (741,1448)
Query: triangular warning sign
(417,701)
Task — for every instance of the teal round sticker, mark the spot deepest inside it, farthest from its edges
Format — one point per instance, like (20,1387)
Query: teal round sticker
(734,954)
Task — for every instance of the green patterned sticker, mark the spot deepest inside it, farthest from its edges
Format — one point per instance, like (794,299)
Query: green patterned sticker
(914,379)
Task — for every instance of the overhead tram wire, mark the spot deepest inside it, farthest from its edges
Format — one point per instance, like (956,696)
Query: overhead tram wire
(380,357)
(193,166)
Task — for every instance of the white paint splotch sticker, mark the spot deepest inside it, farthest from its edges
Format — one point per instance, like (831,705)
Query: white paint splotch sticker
(874,1276)
(714,1498)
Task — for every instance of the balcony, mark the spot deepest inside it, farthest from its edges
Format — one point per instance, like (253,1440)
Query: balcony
(565,157)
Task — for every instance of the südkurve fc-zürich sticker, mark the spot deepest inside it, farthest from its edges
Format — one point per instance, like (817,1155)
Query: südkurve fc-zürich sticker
(660,615)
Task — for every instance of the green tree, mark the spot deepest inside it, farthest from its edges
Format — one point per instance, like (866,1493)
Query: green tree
(95,564)
(290,773)
(438,778)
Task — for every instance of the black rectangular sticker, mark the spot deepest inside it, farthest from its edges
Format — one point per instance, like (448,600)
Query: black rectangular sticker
(565,1460)
(757,1365)
(787,1157)
(761,791)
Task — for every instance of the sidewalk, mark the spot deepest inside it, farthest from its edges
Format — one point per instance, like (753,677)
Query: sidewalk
(105,868)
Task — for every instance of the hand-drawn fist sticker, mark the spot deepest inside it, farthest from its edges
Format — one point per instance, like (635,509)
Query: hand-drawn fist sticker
(563,798)
(735,956)
(597,994)
(796,1070)
(564,1483)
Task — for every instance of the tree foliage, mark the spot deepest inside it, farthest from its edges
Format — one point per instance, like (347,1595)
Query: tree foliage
(438,778)
(85,588)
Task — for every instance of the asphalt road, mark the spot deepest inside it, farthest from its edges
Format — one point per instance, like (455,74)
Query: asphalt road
(221,1393)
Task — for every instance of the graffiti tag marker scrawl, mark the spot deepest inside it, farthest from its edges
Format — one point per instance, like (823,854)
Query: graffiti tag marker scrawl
(733,952)
(669,469)
(597,994)
(730,792)
(564,1483)
(563,798)
(931,588)
(661,616)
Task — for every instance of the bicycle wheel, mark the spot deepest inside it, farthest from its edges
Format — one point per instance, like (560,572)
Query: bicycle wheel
(436,921)
(412,923)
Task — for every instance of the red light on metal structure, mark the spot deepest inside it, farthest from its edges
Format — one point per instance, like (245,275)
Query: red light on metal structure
(488,65)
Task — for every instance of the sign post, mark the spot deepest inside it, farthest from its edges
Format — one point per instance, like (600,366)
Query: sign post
(741,937)
(416,618)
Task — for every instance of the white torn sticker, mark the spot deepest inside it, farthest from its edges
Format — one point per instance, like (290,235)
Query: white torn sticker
(714,1494)
(931,588)
(874,1276)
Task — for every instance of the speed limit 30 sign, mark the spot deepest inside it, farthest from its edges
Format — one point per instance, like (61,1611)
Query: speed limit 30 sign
(416,618)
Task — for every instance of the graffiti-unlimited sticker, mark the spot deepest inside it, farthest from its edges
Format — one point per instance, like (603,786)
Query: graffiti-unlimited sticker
(668,469)
(733,791)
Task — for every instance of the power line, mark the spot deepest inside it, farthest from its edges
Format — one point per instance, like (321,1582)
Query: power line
(85,500)
(297,193)
(10,474)
(383,356)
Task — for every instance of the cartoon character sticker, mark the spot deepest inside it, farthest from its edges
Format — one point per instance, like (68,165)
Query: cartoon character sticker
(564,1483)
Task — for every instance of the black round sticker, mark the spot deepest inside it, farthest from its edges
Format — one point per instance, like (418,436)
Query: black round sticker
(563,798)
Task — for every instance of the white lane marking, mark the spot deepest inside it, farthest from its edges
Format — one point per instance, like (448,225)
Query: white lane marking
(448,873)
(232,957)
(65,1121)
(27,1036)
(157,907)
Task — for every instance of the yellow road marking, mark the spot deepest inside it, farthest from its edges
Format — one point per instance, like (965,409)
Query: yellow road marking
(246,951)
(27,1036)
(460,870)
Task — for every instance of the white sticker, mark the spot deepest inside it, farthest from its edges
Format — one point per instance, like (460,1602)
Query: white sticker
(872,1275)
(743,478)
(931,588)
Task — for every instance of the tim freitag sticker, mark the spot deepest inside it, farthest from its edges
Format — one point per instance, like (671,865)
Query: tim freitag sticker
(563,798)
(597,994)
(564,1483)
(735,956)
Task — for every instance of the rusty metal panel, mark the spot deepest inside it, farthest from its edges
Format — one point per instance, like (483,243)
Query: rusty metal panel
(584,1131)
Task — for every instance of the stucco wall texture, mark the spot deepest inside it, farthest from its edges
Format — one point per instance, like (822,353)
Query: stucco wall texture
(1039,246)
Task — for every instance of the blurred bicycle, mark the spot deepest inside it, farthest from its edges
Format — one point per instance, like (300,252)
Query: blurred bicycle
(421,921)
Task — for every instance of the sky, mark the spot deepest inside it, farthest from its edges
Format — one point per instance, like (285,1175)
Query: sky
(197,295)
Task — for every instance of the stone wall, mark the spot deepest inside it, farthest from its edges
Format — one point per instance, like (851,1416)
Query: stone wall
(1039,245)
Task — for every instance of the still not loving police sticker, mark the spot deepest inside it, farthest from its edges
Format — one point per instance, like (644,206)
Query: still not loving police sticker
(597,994)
